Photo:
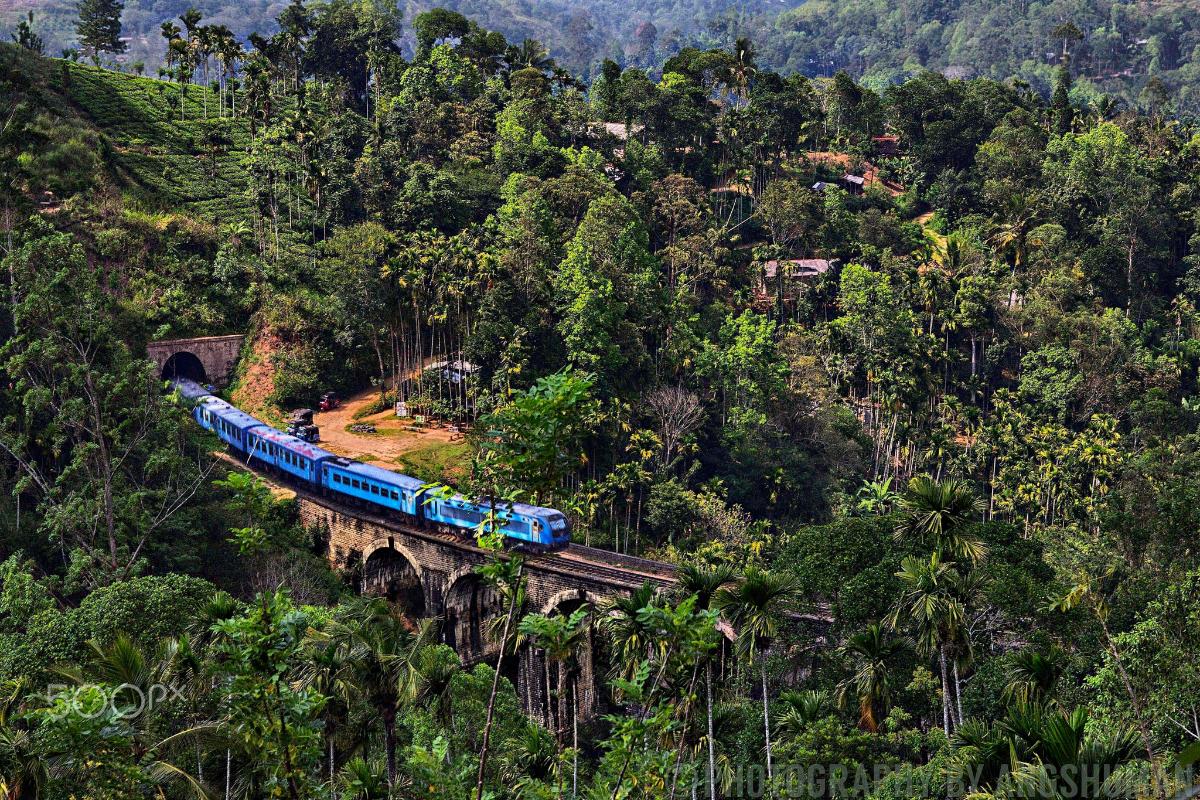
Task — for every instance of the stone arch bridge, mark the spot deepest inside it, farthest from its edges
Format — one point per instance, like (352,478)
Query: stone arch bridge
(206,359)
(432,574)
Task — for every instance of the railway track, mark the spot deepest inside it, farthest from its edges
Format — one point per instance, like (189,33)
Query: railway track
(589,563)
(617,569)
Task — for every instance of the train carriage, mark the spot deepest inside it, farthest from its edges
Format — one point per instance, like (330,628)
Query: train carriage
(261,444)
(286,453)
(542,527)
(231,424)
(392,490)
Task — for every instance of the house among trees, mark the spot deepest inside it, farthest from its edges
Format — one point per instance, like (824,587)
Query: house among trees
(854,183)
(795,271)
(886,146)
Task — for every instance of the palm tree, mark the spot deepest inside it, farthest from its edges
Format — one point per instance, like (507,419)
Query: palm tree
(1034,746)
(361,781)
(530,54)
(939,511)
(559,637)
(743,69)
(28,771)
(328,670)
(381,656)
(436,669)
(869,684)
(755,606)
(1032,675)
(531,754)
(621,620)
(801,709)
(704,584)
(930,607)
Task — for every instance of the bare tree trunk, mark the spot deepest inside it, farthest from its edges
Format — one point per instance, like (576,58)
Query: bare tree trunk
(712,750)
(491,706)
(766,717)
(958,692)
(945,693)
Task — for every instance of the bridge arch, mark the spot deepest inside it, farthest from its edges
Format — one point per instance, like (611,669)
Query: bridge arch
(184,364)
(570,597)
(470,604)
(391,571)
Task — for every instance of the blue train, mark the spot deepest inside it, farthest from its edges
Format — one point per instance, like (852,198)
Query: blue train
(392,492)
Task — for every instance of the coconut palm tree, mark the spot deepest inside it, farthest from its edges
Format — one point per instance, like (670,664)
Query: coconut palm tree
(530,53)
(704,584)
(929,606)
(755,606)
(938,512)
(869,684)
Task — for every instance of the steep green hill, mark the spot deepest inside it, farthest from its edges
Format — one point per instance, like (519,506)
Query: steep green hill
(155,153)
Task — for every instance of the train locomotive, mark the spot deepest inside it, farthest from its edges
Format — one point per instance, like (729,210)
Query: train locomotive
(393,493)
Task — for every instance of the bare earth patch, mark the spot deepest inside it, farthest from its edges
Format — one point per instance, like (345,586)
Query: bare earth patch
(429,453)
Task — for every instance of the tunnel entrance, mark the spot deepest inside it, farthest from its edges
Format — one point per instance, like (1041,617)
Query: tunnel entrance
(184,365)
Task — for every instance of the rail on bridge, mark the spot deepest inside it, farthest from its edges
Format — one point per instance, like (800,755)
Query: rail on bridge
(431,574)
(204,359)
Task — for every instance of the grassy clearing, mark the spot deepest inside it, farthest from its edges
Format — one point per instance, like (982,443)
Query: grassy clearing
(445,462)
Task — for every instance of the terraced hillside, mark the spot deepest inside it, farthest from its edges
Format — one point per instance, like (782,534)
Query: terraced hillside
(157,155)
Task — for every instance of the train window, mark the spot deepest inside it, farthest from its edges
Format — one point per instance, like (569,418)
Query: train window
(395,495)
(354,482)
(374,489)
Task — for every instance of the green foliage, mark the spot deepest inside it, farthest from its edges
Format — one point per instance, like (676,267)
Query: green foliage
(533,442)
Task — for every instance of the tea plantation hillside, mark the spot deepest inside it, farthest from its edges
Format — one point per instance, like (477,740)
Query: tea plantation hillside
(158,156)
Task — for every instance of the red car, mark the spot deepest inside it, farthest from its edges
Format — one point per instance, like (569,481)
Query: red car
(329,401)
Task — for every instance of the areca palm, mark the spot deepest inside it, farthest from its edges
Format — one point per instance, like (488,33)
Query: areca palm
(382,657)
(928,604)
(621,620)
(755,606)
(559,637)
(1032,675)
(705,583)
(869,684)
(939,512)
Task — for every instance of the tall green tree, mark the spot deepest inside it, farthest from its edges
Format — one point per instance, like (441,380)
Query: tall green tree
(99,27)
(756,607)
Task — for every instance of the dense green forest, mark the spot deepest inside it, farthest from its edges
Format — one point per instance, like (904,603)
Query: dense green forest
(1122,46)
(962,433)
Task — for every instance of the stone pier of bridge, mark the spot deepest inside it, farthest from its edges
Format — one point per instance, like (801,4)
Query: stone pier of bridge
(433,574)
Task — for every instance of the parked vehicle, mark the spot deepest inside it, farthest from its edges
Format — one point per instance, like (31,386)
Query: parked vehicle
(329,401)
